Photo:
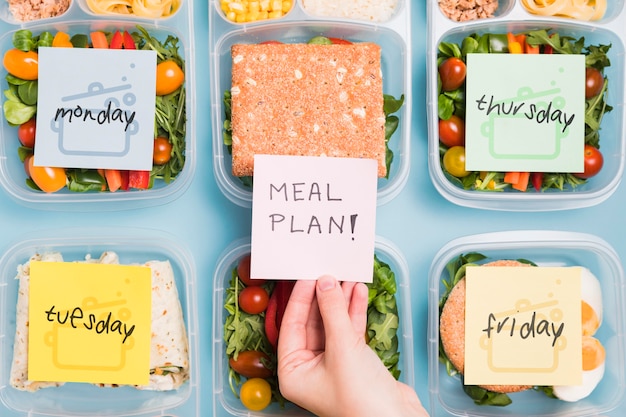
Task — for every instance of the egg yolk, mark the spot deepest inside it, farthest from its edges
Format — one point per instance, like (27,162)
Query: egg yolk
(590,320)
(593,353)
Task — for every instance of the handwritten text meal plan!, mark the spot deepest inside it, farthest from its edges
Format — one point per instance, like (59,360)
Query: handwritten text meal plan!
(313,216)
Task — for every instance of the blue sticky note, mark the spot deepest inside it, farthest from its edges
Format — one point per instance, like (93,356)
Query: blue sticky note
(95,108)
(525,112)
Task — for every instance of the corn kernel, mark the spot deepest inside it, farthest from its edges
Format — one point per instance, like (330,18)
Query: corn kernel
(241,11)
(236,7)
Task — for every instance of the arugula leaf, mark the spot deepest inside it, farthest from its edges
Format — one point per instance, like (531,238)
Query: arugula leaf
(170,110)
(483,397)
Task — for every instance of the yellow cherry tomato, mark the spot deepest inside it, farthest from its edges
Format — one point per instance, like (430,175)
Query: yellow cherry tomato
(48,179)
(256,394)
(169,76)
(454,161)
(24,65)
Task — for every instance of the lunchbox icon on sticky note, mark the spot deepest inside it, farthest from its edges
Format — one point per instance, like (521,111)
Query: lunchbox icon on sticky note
(540,115)
(97,325)
(539,323)
(107,110)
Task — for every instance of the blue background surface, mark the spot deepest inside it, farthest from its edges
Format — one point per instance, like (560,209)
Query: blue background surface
(419,221)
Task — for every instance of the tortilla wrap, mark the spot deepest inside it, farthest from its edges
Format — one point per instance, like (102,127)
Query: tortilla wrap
(169,352)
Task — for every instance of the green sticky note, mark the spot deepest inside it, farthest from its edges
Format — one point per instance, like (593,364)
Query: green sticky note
(525,112)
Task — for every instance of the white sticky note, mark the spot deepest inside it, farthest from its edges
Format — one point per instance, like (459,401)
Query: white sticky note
(313,216)
(96,108)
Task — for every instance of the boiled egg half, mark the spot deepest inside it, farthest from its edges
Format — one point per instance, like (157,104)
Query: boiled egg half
(593,351)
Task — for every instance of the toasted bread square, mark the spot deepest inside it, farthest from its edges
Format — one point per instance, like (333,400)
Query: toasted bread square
(305,99)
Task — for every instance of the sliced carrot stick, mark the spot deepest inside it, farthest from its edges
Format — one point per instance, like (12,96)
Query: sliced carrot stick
(522,183)
(114,179)
(99,40)
(511,177)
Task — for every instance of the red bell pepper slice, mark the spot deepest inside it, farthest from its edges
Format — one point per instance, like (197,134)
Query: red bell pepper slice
(138,179)
(124,186)
(129,42)
(276,310)
(117,41)
(537,180)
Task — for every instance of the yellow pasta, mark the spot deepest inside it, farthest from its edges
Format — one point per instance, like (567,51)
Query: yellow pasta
(143,8)
(573,9)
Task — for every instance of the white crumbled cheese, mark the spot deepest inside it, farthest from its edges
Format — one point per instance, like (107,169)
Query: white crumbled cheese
(341,72)
(370,10)
(359,111)
(237,59)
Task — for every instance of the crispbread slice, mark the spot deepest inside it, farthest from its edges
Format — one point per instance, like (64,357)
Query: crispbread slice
(306,99)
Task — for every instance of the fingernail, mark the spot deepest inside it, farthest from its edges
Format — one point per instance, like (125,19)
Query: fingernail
(326,282)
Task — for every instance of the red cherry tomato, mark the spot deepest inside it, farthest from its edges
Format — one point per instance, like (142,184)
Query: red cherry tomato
(593,162)
(452,131)
(26,133)
(253,300)
(162,152)
(594,81)
(452,72)
(243,271)
(251,364)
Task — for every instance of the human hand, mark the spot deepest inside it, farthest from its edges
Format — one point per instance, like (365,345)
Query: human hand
(324,364)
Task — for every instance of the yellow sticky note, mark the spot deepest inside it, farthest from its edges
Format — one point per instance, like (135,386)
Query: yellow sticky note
(89,322)
(523,326)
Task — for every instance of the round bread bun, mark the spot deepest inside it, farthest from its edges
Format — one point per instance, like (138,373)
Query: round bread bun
(452,329)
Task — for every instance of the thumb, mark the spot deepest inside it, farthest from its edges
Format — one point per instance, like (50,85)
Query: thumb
(333,308)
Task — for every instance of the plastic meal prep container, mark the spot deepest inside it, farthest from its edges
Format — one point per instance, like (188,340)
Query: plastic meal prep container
(133,246)
(223,397)
(512,17)
(297,25)
(79,19)
(545,248)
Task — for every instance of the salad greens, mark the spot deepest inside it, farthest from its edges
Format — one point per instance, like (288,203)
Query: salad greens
(453,102)
(243,331)
(170,111)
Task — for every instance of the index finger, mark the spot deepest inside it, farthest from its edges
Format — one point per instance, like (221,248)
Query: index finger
(293,327)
